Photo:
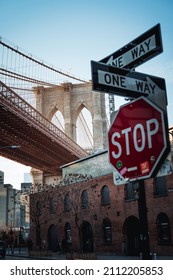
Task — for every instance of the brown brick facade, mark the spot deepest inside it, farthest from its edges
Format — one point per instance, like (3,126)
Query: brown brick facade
(109,223)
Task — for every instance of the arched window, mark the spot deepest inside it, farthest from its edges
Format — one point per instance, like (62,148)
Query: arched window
(68,235)
(84,199)
(105,198)
(131,190)
(67,203)
(163,229)
(107,231)
(160,188)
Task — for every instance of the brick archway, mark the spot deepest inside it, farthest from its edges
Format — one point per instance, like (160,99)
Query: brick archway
(52,237)
(131,235)
(86,237)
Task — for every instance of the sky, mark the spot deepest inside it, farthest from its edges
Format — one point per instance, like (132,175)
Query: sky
(69,34)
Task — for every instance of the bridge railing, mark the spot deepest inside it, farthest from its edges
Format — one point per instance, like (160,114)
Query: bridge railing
(14,102)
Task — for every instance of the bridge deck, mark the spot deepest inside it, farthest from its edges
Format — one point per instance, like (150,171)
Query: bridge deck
(42,144)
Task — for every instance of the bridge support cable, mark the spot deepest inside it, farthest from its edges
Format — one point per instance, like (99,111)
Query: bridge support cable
(86,128)
(23,64)
(58,123)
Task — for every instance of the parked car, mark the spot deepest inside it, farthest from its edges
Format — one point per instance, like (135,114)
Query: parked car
(2,248)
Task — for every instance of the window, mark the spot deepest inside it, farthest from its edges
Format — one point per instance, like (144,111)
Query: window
(163,229)
(84,199)
(1,180)
(160,188)
(131,191)
(107,231)
(105,199)
(68,235)
(67,203)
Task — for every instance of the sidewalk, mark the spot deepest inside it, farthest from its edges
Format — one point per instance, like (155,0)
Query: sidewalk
(23,252)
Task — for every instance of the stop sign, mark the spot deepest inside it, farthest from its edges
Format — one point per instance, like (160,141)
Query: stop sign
(137,140)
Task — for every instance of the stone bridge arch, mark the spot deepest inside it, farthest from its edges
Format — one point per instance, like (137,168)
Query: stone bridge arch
(70,99)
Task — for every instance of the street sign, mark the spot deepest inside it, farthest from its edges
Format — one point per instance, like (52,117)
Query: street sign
(138,51)
(124,82)
(138,140)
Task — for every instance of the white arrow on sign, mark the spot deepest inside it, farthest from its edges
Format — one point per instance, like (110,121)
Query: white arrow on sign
(135,53)
(141,49)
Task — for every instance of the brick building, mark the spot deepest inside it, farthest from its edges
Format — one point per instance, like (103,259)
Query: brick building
(93,214)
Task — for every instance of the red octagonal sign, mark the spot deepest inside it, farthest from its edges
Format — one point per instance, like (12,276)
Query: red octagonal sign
(138,142)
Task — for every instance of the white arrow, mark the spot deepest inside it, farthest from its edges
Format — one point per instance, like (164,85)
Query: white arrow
(138,51)
(159,98)
(156,87)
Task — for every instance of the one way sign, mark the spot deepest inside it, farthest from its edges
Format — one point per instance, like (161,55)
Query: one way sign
(124,82)
(138,51)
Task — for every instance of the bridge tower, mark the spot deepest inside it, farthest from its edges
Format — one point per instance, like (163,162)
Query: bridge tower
(70,99)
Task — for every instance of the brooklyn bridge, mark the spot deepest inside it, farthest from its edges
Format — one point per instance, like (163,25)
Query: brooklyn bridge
(33,136)
(31,94)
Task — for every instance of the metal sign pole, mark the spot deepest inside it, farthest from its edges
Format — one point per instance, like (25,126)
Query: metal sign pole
(144,243)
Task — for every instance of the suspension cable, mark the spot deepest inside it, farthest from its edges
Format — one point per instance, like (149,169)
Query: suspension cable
(86,128)
(41,63)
